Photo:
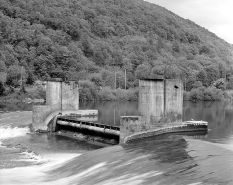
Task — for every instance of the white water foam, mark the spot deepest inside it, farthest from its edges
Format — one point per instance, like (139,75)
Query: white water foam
(38,175)
(9,132)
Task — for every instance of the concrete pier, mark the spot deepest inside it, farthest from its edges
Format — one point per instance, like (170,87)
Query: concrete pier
(160,101)
(160,106)
(62,98)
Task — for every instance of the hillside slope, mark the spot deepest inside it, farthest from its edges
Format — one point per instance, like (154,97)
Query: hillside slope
(93,39)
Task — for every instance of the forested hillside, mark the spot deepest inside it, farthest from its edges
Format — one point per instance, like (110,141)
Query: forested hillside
(90,40)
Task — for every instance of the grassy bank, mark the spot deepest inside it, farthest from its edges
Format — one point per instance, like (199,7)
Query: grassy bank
(207,94)
(18,95)
(89,92)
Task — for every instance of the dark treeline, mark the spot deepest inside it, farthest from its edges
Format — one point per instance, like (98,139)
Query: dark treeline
(91,40)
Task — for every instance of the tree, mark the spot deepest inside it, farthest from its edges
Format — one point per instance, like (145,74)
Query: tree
(2,66)
(2,89)
(201,77)
(176,47)
(96,79)
(212,74)
(87,47)
(219,84)
(197,84)
(142,71)
(13,76)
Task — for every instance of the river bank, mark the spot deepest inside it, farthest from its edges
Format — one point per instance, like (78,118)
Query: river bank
(35,94)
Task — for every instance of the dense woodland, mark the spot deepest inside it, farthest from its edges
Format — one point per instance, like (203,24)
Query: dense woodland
(91,40)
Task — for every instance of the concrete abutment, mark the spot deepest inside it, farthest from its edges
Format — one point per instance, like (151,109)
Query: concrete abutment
(62,98)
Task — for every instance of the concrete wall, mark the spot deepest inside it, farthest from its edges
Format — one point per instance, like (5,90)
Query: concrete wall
(53,94)
(70,96)
(161,102)
(60,96)
(173,101)
(151,102)
(133,127)
(39,115)
(130,125)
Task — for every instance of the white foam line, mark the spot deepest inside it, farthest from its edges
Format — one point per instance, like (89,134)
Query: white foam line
(6,133)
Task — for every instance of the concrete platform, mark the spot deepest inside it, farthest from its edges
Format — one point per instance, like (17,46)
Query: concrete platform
(184,127)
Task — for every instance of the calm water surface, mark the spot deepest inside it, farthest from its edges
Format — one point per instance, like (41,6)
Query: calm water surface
(168,159)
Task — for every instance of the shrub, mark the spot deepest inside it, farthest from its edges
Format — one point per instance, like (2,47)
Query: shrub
(87,90)
(106,94)
(186,96)
(206,94)
(217,94)
(96,78)
(196,95)
(126,95)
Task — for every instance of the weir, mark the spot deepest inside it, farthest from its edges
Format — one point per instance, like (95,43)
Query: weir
(160,107)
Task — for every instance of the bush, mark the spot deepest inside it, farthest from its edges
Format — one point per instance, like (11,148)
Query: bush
(186,96)
(87,90)
(126,95)
(206,94)
(106,94)
(196,95)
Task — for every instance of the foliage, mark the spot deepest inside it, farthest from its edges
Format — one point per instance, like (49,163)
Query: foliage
(87,90)
(186,95)
(219,84)
(206,94)
(13,76)
(197,84)
(3,77)
(2,89)
(93,40)
(106,94)
(229,84)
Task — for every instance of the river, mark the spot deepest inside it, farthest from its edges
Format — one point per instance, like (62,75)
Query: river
(192,159)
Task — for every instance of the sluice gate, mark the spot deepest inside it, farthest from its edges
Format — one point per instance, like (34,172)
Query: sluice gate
(88,125)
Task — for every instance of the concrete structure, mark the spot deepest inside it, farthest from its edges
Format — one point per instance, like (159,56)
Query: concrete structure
(134,127)
(61,98)
(160,105)
(62,95)
(161,101)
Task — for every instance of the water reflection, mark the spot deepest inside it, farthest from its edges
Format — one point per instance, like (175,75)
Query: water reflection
(219,115)
(110,112)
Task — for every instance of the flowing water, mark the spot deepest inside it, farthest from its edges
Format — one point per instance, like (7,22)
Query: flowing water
(168,159)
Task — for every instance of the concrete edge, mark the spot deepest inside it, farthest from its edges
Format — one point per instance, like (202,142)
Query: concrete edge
(172,129)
